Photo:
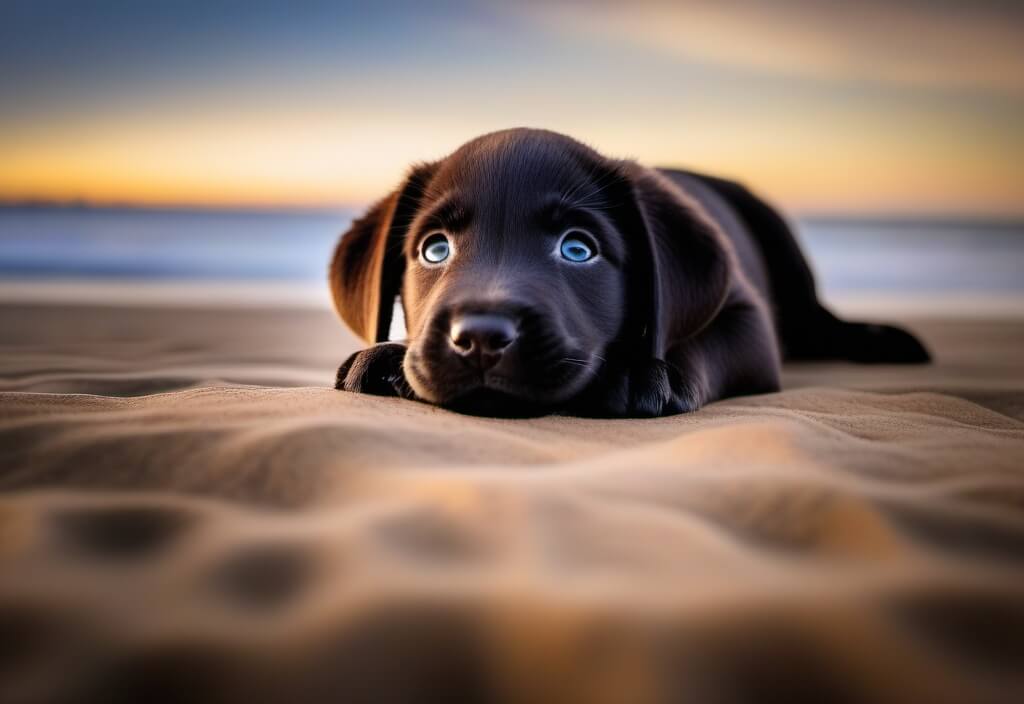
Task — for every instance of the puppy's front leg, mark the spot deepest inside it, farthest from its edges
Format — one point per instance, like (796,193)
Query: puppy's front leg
(736,354)
(376,370)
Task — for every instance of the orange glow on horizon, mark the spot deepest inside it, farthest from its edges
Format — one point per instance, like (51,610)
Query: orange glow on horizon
(815,165)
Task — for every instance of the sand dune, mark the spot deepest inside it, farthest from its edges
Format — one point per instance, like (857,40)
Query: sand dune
(188,512)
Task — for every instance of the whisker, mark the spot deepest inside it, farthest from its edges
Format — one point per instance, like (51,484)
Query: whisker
(582,362)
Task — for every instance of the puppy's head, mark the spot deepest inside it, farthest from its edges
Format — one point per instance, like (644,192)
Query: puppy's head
(523,261)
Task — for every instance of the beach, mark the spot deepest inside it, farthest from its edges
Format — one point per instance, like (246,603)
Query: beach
(191,513)
(188,509)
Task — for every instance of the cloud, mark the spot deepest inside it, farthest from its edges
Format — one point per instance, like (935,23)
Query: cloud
(974,46)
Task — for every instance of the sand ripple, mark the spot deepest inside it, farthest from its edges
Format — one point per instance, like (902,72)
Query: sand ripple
(244,543)
(858,537)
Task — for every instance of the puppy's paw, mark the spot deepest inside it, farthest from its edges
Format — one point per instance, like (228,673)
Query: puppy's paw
(646,389)
(376,370)
(649,389)
(657,389)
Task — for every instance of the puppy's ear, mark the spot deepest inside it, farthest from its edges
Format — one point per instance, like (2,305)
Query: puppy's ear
(680,262)
(368,264)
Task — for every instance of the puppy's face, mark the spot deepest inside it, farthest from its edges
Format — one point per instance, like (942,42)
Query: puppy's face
(514,282)
(531,270)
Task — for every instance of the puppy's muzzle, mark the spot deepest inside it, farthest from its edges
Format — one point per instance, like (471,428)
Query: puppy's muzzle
(481,339)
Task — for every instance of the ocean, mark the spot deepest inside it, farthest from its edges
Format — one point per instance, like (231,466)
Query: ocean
(937,260)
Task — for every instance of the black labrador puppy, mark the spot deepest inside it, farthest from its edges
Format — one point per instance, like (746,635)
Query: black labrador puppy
(536,275)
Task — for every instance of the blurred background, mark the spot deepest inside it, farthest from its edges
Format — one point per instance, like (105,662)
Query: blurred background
(211,152)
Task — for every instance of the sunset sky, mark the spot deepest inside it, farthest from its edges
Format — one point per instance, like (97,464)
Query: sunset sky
(826,107)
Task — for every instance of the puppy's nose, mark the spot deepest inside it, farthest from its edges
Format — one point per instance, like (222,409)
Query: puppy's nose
(482,337)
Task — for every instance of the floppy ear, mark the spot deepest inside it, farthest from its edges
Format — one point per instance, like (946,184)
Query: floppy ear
(680,262)
(368,264)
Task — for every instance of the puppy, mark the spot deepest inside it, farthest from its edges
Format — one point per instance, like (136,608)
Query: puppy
(536,275)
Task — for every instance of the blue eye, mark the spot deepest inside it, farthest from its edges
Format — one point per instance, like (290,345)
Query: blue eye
(435,249)
(574,249)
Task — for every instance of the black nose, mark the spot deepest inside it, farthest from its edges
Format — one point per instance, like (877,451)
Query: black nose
(481,338)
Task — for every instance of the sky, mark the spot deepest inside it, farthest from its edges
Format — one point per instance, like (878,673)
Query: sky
(824,107)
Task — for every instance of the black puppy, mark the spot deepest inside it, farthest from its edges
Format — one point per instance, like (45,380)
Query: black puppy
(536,275)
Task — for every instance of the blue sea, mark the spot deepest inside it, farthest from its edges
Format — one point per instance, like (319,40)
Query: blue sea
(877,257)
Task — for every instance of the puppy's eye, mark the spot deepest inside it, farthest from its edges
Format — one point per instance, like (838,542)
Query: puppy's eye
(575,247)
(435,249)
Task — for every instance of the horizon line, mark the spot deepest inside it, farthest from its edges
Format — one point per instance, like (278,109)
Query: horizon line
(84,204)
(77,204)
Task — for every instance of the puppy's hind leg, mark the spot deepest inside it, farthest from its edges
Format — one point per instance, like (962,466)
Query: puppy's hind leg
(806,328)
(867,343)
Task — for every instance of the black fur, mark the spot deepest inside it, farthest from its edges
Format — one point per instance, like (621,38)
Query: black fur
(807,330)
(697,289)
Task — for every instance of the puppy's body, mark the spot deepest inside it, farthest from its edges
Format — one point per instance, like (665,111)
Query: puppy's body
(536,275)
